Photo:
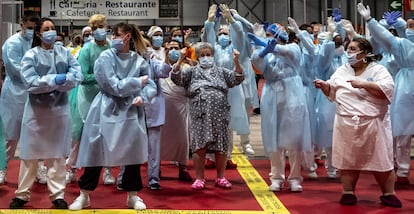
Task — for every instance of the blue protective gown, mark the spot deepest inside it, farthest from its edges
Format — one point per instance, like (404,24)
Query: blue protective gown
(2,149)
(14,93)
(46,125)
(223,57)
(285,116)
(114,132)
(402,114)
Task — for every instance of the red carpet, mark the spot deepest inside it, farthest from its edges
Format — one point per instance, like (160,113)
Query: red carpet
(319,196)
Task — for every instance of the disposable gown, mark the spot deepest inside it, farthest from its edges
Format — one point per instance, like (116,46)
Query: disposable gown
(114,132)
(85,93)
(14,93)
(362,138)
(223,57)
(155,111)
(402,114)
(249,84)
(328,62)
(285,116)
(2,149)
(46,124)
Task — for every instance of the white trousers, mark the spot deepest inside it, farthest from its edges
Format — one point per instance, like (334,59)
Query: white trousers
(277,164)
(154,159)
(402,151)
(56,182)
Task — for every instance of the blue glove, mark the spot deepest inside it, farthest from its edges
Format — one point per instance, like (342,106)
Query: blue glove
(391,17)
(256,40)
(265,26)
(271,44)
(218,14)
(336,14)
(60,79)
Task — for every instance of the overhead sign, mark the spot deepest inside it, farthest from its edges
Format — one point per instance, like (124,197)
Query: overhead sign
(395,5)
(113,9)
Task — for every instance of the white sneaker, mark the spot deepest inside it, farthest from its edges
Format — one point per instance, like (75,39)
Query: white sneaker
(41,176)
(295,186)
(248,149)
(276,185)
(313,175)
(80,202)
(136,203)
(2,176)
(107,177)
(331,174)
(70,176)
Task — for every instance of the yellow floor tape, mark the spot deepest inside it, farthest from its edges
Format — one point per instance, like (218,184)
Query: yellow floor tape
(259,188)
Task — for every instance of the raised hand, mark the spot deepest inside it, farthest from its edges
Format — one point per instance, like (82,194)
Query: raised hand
(271,44)
(212,12)
(331,26)
(336,14)
(256,40)
(392,17)
(225,11)
(364,11)
(293,26)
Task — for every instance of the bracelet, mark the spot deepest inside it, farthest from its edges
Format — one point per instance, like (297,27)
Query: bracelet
(369,19)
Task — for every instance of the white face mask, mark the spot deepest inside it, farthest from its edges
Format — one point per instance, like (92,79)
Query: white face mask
(409,33)
(352,58)
(206,61)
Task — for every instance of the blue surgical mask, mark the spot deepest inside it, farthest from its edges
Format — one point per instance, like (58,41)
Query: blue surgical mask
(99,34)
(157,41)
(174,55)
(409,33)
(59,43)
(352,58)
(118,44)
(88,39)
(49,37)
(223,40)
(178,39)
(206,62)
(28,34)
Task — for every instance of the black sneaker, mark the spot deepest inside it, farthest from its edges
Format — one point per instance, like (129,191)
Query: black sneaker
(391,201)
(60,204)
(17,203)
(348,199)
(155,186)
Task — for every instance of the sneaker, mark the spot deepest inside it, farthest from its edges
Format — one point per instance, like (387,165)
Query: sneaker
(155,186)
(41,176)
(17,203)
(331,174)
(231,165)
(276,185)
(402,181)
(107,177)
(2,176)
(136,203)
(210,164)
(70,176)
(295,186)
(80,202)
(198,184)
(184,176)
(60,204)
(312,175)
(223,183)
(391,201)
(247,149)
(348,199)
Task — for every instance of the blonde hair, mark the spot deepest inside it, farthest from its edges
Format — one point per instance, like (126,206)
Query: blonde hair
(97,18)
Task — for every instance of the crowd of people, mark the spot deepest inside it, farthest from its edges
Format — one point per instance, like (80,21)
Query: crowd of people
(137,97)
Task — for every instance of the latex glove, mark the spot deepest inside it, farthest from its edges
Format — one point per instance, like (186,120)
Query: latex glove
(212,12)
(234,12)
(144,80)
(60,79)
(364,11)
(271,44)
(336,14)
(265,26)
(225,11)
(256,40)
(293,26)
(391,17)
(331,27)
